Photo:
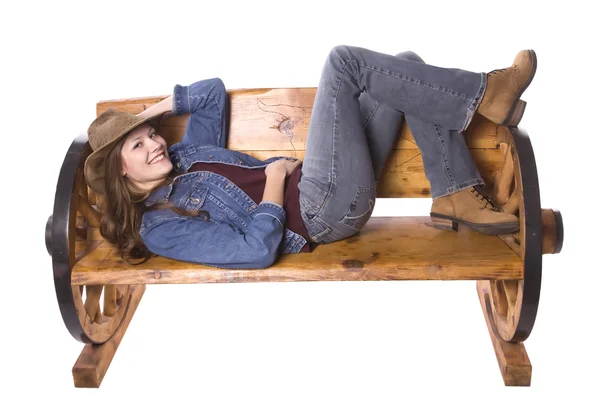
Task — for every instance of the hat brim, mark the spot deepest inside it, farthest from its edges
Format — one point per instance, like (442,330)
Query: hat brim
(95,165)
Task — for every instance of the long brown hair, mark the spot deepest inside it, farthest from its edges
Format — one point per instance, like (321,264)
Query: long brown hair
(124,207)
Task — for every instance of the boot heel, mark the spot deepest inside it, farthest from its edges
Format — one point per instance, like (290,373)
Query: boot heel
(443,224)
(515,114)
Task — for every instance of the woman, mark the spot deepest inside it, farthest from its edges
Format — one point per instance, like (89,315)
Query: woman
(200,202)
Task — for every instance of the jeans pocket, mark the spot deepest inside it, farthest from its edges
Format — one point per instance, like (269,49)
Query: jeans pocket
(319,229)
(360,209)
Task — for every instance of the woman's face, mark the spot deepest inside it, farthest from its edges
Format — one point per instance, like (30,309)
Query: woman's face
(144,157)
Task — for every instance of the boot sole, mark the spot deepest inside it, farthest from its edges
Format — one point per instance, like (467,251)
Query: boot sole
(442,222)
(518,108)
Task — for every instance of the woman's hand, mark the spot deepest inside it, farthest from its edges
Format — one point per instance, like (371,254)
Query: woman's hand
(282,165)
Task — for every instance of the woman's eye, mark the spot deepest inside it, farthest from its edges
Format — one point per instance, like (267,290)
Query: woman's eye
(139,143)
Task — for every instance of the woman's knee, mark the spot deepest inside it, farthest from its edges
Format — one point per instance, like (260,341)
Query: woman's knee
(340,53)
(410,55)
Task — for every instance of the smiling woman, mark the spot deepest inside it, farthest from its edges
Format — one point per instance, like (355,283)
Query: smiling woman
(333,195)
(132,168)
(143,156)
(126,173)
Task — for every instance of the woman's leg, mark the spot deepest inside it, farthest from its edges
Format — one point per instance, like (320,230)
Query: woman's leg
(382,124)
(447,161)
(448,166)
(337,188)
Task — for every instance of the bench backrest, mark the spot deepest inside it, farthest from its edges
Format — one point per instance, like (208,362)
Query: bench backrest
(274,122)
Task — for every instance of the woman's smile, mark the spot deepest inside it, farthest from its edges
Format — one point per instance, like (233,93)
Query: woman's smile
(158,158)
(144,147)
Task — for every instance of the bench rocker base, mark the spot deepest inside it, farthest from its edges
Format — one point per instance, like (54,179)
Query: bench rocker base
(512,358)
(263,123)
(94,360)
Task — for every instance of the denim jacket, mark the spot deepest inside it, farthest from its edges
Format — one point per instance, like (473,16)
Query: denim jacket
(240,233)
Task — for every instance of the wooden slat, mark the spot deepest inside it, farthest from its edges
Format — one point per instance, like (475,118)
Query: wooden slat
(404,175)
(387,248)
(274,122)
(266,119)
(132,105)
(512,358)
(93,362)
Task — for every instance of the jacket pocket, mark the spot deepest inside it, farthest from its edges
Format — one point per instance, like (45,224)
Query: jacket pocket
(360,208)
(196,199)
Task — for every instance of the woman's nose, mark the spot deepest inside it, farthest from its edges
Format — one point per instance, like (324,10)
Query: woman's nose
(155,145)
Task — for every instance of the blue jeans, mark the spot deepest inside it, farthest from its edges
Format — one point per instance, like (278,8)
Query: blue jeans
(362,99)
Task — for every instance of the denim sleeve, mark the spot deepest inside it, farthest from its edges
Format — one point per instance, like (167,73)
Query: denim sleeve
(193,239)
(208,104)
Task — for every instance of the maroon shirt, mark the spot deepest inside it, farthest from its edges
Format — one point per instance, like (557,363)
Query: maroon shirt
(252,182)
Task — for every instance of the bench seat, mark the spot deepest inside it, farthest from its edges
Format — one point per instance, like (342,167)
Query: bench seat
(387,248)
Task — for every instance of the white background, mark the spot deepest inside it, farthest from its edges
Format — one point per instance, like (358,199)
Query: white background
(284,341)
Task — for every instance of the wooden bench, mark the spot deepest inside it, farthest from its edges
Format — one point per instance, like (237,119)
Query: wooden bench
(273,122)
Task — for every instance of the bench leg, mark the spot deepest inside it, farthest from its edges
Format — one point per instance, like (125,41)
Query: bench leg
(512,357)
(93,362)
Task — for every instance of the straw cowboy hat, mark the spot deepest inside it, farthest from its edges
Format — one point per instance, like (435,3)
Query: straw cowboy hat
(103,134)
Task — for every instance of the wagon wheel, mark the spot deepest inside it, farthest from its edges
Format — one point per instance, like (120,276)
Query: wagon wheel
(91,313)
(512,305)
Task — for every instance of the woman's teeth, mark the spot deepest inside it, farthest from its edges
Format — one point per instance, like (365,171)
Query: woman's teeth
(157,159)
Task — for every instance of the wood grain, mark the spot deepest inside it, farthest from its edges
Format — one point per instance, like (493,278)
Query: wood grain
(387,248)
(93,362)
(274,122)
(548,231)
(512,358)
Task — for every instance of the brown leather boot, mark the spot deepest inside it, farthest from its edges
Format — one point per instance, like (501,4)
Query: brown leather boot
(501,101)
(473,208)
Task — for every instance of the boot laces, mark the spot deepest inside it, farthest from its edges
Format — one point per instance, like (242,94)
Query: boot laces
(512,67)
(481,194)
(498,71)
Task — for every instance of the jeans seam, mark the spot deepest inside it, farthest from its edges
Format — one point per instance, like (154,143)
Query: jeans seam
(409,79)
(371,114)
(476,102)
(333,140)
(445,160)
(461,186)
(188,97)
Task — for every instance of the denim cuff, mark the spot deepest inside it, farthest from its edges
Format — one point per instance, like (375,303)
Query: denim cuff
(181,104)
(273,209)
(450,190)
(476,102)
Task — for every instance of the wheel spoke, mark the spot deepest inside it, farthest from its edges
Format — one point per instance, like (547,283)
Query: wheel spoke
(510,289)
(92,299)
(504,178)
(110,300)
(92,214)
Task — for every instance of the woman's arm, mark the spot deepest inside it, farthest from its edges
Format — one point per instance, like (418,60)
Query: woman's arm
(193,239)
(274,187)
(207,102)
(159,108)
